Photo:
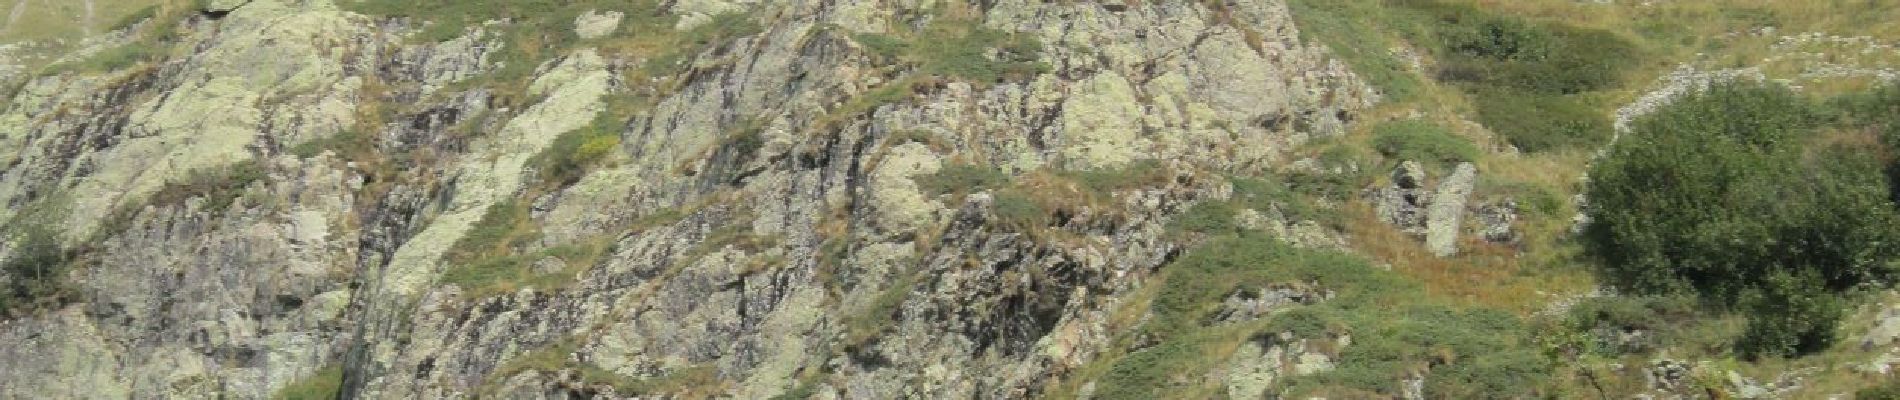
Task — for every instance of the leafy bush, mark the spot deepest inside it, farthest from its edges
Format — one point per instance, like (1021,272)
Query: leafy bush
(1417,140)
(1791,316)
(36,269)
(1721,195)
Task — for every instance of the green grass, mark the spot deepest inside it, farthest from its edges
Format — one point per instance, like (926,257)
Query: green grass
(963,178)
(576,152)
(1422,141)
(959,48)
(540,30)
(505,274)
(66,21)
(1207,217)
(1396,330)
(487,261)
(1138,174)
(1536,122)
(558,356)
(326,384)
(867,324)
(1020,212)
(345,143)
(1350,28)
(218,187)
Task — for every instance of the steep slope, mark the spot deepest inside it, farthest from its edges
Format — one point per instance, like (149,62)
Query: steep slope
(293,185)
(868,199)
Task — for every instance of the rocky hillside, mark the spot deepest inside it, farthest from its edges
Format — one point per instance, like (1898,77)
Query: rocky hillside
(820,199)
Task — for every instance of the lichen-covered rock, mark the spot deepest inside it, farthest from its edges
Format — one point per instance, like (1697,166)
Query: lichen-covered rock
(1496,221)
(754,238)
(1444,220)
(1403,204)
(593,25)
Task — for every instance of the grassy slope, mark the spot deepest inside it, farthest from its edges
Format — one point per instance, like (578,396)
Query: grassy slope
(64,22)
(1707,34)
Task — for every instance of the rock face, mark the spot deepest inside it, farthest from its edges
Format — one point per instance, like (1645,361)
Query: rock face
(807,259)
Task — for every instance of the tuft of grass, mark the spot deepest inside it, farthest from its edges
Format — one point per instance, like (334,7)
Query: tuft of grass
(963,178)
(575,152)
(219,187)
(1020,212)
(862,327)
(326,384)
(1139,174)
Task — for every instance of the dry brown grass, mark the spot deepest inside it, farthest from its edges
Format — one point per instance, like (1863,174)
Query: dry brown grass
(1485,274)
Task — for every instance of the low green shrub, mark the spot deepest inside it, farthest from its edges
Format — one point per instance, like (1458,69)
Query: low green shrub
(129,20)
